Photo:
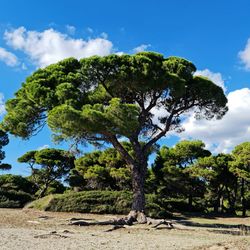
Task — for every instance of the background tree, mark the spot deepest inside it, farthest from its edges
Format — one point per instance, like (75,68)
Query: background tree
(241,167)
(3,142)
(76,180)
(54,165)
(104,170)
(101,99)
(171,170)
(220,182)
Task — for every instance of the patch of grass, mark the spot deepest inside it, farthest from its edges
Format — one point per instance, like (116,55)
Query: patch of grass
(40,204)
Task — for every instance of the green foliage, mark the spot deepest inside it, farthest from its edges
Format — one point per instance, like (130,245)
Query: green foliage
(241,167)
(17,183)
(88,201)
(241,164)
(101,94)
(55,187)
(54,165)
(110,202)
(15,191)
(103,170)
(220,181)
(171,170)
(13,198)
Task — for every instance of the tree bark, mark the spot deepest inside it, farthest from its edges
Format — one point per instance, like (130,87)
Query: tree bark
(138,203)
(138,165)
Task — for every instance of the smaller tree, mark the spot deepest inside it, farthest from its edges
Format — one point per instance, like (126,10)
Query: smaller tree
(220,182)
(3,142)
(102,170)
(241,167)
(171,170)
(54,165)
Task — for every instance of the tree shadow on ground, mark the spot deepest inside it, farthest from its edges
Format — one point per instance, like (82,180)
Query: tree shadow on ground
(224,228)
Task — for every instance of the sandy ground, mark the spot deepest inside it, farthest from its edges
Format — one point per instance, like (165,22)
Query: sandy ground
(30,229)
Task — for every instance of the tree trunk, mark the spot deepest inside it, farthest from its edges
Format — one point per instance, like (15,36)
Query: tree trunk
(138,165)
(190,201)
(138,203)
(216,207)
(232,197)
(221,204)
(243,200)
(231,200)
(217,204)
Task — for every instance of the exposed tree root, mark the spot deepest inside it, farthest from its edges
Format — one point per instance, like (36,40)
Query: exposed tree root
(134,217)
(77,219)
(137,216)
(169,224)
(115,227)
(120,222)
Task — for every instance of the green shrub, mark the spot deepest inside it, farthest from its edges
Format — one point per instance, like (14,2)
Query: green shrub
(13,198)
(109,202)
(16,182)
(92,202)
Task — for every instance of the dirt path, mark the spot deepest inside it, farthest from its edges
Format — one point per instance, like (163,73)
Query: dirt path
(29,229)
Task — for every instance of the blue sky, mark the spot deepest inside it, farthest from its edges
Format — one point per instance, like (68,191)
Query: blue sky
(212,34)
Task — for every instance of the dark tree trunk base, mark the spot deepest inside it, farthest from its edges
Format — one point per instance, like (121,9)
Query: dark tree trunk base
(137,216)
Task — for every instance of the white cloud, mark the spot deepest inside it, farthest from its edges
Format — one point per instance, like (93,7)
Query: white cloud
(71,29)
(43,147)
(215,77)
(8,58)
(160,111)
(223,135)
(244,55)
(2,105)
(50,46)
(141,48)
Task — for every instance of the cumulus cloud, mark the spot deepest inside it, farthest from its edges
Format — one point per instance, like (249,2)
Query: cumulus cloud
(223,135)
(160,111)
(244,55)
(2,105)
(50,46)
(8,58)
(215,77)
(141,48)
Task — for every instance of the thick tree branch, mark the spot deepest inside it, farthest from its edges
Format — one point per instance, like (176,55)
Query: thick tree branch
(174,114)
(127,157)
